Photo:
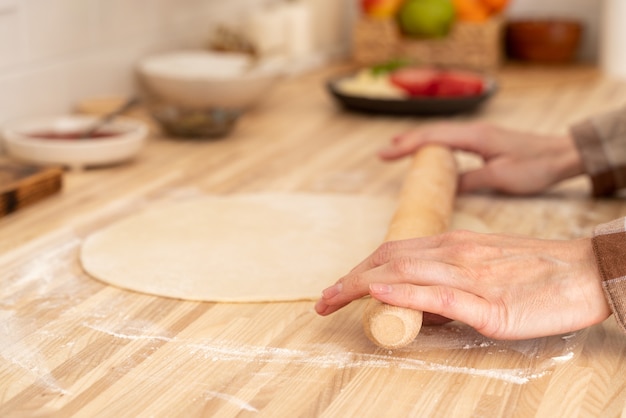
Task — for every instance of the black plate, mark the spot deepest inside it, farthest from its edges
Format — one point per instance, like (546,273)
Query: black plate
(427,106)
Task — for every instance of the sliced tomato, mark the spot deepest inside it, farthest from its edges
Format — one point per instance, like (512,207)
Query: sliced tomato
(454,83)
(415,81)
(437,83)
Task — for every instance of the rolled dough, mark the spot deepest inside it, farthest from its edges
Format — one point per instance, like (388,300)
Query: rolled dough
(239,248)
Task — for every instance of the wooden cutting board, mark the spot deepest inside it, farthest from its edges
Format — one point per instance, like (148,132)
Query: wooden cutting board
(23,184)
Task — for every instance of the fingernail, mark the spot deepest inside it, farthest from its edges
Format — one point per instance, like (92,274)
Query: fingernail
(332,291)
(380,289)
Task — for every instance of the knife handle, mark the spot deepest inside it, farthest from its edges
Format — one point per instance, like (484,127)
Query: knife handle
(425,207)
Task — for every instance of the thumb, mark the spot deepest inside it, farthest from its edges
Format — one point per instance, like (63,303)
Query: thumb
(474,180)
(397,150)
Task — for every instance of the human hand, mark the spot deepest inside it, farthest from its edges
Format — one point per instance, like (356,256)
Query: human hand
(514,162)
(506,287)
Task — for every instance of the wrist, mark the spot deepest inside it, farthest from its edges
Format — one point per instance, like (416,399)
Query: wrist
(569,162)
(597,305)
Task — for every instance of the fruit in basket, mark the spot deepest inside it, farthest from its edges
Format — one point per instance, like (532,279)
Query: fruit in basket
(478,10)
(471,10)
(496,6)
(426,18)
(380,8)
(432,82)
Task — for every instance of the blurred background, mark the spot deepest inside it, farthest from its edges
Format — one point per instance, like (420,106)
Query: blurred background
(54,53)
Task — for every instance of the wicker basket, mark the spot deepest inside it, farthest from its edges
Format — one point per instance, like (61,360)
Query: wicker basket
(475,46)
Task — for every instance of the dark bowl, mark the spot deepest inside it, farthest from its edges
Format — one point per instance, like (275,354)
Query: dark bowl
(415,106)
(553,41)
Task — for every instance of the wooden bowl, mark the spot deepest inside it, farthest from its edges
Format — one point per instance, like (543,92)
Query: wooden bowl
(543,40)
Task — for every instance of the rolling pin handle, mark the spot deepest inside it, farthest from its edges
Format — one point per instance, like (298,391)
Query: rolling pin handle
(425,207)
(389,326)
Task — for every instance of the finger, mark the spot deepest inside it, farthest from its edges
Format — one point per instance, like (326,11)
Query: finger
(401,146)
(471,138)
(441,300)
(400,270)
(398,249)
(324,309)
(474,180)
(382,255)
(355,284)
(358,285)
(434,319)
(408,142)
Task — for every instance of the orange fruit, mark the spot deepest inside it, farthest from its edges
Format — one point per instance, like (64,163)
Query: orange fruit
(380,8)
(471,10)
(496,6)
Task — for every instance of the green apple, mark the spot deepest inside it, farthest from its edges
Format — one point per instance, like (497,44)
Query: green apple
(426,18)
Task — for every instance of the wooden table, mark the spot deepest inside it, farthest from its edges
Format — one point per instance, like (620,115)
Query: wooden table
(70,345)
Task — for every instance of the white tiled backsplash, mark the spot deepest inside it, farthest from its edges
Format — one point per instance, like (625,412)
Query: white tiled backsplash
(54,53)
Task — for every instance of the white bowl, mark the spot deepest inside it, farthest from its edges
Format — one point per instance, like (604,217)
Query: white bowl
(34,140)
(205,79)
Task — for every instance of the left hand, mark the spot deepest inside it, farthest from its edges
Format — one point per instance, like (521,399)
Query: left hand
(506,287)
(515,162)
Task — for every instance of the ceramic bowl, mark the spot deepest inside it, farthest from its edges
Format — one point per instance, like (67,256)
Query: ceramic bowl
(203,93)
(55,140)
(201,79)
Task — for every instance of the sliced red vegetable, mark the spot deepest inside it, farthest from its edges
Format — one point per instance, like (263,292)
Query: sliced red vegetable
(455,83)
(415,81)
(432,82)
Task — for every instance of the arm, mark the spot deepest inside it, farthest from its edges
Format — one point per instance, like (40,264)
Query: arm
(506,287)
(602,144)
(601,141)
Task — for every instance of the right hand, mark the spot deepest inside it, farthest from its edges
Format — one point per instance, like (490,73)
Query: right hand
(506,287)
(515,162)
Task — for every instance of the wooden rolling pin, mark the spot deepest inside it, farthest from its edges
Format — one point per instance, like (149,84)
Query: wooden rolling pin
(425,208)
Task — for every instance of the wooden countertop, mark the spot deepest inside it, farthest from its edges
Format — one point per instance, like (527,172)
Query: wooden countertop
(70,345)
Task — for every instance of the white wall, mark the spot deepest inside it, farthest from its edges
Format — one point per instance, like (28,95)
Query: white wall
(54,53)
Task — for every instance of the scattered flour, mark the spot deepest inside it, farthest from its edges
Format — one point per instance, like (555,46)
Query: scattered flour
(49,279)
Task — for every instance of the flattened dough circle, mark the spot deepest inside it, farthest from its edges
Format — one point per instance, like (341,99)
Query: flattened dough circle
(242,248)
